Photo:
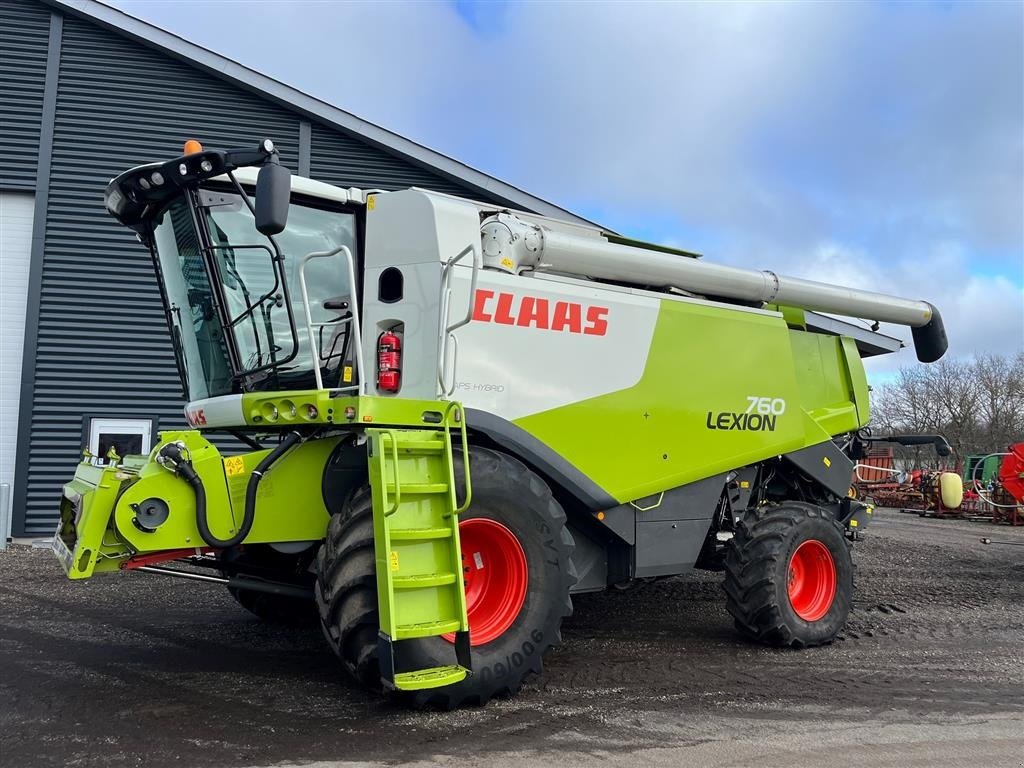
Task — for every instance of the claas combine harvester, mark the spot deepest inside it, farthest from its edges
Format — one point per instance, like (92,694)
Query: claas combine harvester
(457,415)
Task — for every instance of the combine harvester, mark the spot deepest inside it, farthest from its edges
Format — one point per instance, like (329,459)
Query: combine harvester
(459,415)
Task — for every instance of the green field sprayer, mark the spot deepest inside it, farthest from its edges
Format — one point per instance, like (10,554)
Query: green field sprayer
(431,421)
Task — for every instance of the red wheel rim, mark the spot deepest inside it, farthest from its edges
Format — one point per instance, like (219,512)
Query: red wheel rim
(495,573)
(812,580)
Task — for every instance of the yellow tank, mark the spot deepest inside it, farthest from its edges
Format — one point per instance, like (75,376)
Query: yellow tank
(951,490)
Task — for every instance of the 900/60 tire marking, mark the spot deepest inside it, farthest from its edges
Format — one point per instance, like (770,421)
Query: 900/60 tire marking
(515,659)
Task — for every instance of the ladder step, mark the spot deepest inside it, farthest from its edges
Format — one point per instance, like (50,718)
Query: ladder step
(426,445)
(429,678)
(427,629)
(419,534)
(410,488)
(423,580)
(420,446)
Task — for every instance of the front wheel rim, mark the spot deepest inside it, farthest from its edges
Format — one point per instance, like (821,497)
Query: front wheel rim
(811,580)
(496,576)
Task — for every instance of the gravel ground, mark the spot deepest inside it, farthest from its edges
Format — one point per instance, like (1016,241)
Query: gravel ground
(135,669)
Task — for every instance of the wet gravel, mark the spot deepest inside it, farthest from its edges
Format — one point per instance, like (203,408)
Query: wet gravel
(138,669)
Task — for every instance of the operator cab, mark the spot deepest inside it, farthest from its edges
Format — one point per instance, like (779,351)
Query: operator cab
(235,297)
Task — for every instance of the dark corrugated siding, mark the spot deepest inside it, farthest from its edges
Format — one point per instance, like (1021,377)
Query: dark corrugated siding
(348,162)
(24,34)
(103,347)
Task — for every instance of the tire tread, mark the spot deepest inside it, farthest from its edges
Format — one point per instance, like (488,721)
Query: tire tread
(751,576)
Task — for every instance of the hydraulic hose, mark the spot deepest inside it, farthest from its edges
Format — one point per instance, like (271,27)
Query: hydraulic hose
(254,483)
(174,458)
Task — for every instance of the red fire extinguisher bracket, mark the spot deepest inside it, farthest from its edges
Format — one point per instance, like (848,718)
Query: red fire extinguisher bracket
(389,362)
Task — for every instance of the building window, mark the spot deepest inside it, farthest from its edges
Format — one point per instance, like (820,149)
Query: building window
(108,438)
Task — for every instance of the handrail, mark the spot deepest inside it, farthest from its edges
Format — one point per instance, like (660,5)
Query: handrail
(453,340)
(477,266)
(451,459)
(353,319)
(447,334)
(391,435)
(275,294)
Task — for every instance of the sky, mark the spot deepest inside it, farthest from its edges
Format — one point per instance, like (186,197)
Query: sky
(875,145)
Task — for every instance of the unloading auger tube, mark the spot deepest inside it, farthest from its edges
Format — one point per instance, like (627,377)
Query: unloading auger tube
(509,240)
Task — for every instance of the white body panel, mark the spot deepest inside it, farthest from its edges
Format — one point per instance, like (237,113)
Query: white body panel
(525,355)
(416,232)
(223,411)
(302,186)
(569,342)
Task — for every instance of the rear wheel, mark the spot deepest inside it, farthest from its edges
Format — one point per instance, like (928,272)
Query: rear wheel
(495,574)
(264,562)
(517,567)
(789,576)
(275,609)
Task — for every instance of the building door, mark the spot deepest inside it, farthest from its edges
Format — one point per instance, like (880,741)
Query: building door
(15,251)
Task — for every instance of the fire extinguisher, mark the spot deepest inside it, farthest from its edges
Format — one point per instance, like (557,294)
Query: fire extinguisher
(389,362)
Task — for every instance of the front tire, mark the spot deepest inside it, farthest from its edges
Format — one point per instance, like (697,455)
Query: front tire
(789,576)
(514,529)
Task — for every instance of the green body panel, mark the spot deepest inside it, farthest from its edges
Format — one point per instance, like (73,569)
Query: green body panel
(97,516)
(704,362)
(290,409)
(857,379)
(258,410)
(289,498)
(98,531)
(795,317)
(83,542)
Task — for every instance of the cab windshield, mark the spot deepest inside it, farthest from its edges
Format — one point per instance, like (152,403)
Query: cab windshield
(226,299)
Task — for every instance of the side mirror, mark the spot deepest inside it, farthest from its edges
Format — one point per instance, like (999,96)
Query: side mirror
(273,192)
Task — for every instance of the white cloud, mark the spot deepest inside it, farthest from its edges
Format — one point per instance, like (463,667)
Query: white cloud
(876,145)
(981,312)
(787,120)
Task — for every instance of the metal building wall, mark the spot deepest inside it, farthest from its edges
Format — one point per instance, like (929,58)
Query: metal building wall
(101,346)
(348,162)
(24,31)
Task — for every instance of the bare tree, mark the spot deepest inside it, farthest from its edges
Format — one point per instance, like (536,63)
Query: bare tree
(976,404)
(1001,384)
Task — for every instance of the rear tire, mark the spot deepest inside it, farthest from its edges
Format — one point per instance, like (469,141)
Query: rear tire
(505,492)
(789,576)
(263,561)
(275,609)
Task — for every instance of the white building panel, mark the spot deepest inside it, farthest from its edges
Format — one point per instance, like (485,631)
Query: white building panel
(15,251)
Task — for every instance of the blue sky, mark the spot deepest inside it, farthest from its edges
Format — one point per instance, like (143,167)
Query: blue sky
(879,145)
